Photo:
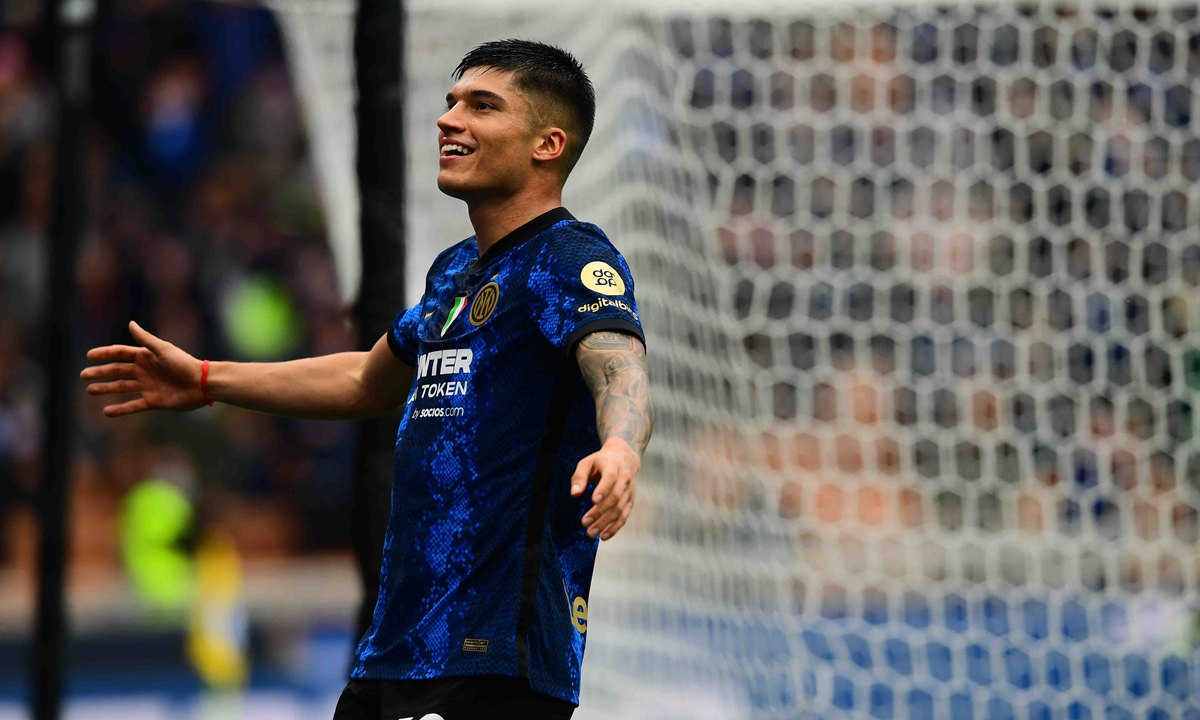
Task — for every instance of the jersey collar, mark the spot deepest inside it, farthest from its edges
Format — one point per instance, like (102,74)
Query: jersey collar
(528,231)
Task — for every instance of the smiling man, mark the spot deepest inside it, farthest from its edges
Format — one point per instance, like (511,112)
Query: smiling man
(523,376)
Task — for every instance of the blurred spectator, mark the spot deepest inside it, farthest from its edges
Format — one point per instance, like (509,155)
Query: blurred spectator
(199,183)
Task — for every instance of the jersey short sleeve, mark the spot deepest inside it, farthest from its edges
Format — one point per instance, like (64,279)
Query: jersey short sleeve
(402,338)
(580,284)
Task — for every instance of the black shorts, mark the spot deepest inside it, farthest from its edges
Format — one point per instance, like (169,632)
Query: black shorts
(480,697)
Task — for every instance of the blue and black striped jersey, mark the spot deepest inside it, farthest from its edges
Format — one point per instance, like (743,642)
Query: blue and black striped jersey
(486,567)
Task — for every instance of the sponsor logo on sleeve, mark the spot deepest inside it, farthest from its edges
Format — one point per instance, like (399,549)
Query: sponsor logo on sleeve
(484,303)
(605,302)
(600,277)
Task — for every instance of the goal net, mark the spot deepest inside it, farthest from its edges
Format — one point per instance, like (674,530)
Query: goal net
(918,285)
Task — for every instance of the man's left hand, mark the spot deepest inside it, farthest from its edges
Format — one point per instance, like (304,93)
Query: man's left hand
(616,466)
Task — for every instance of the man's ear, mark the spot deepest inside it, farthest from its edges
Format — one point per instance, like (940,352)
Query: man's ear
(550,145)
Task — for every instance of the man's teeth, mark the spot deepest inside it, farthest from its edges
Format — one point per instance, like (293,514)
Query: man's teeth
(453,149)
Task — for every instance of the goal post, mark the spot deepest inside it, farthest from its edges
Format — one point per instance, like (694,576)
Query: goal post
(919,285)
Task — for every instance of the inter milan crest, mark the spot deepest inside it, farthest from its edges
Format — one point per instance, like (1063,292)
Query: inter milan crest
(484,303)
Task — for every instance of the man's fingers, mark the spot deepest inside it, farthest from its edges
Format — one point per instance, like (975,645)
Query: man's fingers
(111,388)
(119,353)
(613,500)
(112,371)
(583,473)
(611,530)
(607,531)
(128,408)
(608,478)
(613,497)
(617,487)
(593,515)
(145,338)
(608,518)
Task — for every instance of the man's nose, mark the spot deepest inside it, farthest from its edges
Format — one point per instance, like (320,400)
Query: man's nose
(451,121)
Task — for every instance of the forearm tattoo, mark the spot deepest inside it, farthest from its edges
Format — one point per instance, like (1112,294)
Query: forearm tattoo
(613,365)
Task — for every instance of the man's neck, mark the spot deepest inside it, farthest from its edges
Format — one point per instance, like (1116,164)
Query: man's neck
(493,220)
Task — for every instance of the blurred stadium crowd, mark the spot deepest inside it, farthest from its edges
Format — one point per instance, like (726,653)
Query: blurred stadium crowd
(206,229)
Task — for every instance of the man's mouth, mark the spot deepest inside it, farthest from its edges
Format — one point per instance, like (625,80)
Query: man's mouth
(455,150)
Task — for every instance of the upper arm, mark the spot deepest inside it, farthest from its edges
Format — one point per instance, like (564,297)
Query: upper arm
(386,379)
(605,355)
(614,366)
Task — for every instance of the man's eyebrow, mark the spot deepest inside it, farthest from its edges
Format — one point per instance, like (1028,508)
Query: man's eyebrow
(479,95)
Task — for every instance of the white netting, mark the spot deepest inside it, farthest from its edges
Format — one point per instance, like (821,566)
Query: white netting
(319,37)
(919,287)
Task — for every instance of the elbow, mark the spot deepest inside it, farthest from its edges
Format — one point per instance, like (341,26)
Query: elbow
(364,403)
(369,403)
(378,393)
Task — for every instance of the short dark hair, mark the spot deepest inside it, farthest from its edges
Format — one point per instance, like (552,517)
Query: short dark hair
(554,81)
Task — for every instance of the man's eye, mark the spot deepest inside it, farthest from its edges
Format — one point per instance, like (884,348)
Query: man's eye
(485,106)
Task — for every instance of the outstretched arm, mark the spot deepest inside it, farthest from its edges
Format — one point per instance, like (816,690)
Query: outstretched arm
(613,365)
(331,387)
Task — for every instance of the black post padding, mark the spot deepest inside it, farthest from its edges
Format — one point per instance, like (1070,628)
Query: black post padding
(72,21)
(379,69)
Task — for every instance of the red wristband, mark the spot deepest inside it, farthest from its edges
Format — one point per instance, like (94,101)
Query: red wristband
(204,383)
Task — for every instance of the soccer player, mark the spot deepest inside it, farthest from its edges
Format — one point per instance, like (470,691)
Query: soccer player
(522,373)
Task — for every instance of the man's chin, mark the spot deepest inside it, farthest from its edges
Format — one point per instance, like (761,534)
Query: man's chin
(454,187)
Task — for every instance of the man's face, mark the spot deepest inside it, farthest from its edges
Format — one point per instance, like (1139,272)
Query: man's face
(485,138)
